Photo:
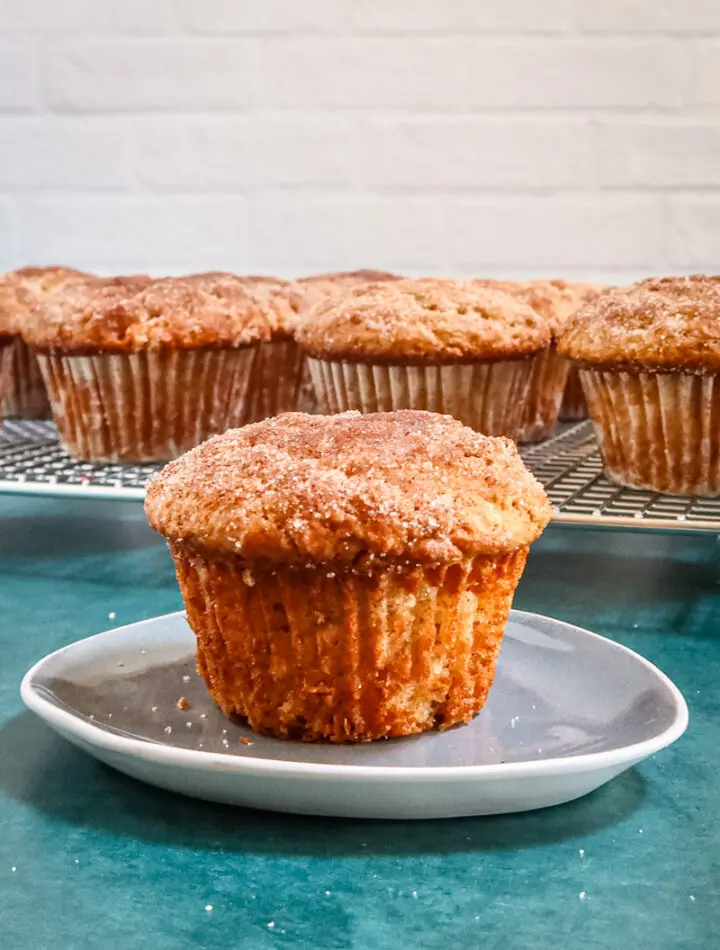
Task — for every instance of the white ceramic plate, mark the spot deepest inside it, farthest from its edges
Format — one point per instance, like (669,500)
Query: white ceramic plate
(568,712)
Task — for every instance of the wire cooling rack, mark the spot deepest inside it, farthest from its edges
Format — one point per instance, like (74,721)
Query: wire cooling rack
(568,464)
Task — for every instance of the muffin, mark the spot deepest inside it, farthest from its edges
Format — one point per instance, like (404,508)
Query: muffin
(349,577)
(447,346)
(574,405)
(21,291)
(140,370)
(649,361)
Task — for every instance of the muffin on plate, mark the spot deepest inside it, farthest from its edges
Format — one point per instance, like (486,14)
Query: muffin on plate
(21,291)
(349,577)
(140,370)
(448,346)
(649,361)
(574,405)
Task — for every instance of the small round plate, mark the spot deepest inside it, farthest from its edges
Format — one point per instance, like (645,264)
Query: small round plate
(569,711)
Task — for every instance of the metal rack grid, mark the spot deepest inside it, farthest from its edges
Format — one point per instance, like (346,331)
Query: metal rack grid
(569,466)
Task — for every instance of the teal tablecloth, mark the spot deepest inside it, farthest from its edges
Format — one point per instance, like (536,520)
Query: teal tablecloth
(89,858)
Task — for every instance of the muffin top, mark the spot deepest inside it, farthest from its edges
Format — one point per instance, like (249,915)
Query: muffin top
(555,300)
(407,485)
(23,289)
(316,288)
(283,300)
(427,321)
(662,324)
(126,314)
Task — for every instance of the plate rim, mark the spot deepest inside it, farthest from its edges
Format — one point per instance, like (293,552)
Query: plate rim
(64,721)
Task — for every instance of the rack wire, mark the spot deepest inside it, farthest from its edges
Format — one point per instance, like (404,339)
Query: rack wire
(32,461)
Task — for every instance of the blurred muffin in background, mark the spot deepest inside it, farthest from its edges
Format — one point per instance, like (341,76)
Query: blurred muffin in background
(574,405)
(447,346)
(22,291)
(349,577)
(140,370)
(649,362)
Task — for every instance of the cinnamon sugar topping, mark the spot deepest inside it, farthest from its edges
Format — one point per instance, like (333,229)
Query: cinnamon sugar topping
(424,321)
(664,324)
(126,314)
(23,289)
(311,489)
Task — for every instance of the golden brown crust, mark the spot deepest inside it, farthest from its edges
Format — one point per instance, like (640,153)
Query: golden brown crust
(669,324)
(301,488)
(23,289)
(428,321)
(283,300)
(556,300)
(127,314)
(317,288)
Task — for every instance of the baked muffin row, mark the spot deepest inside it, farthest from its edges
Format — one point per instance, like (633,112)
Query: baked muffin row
(142,369)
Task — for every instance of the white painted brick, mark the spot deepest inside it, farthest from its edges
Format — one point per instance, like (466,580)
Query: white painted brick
(647,16)
(261,16)
(18,76)
(694,226)
(118,75)
(142,232)
(707,74)
(451,152)
(215,153)
(53,152)
(578,74)
(368,73)
(659,153)
(600,231)
(345,232)
(85,16)
(9,253)
(410,16)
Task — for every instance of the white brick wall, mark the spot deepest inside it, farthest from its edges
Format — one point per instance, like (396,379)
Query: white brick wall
(507,137)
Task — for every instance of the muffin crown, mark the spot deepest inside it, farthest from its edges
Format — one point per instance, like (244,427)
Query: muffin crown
(555,300)
(424,321)
(25,288)
(662,324)
(406,485)
(126,314)
(318,288)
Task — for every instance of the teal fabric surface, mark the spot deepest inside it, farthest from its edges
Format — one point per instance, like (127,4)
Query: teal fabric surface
(90,858)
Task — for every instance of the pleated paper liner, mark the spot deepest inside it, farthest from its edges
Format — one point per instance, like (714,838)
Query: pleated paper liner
(659,432)
(574,404)
(6,356)
(146,406)
(548,374)
(276,380)
(324,653)
(25,396)
(488,397)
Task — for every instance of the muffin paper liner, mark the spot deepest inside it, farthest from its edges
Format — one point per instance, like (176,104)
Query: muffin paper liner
(329,653)
(6,357)
(25,396)
(276,380)
(657,431)
(574,404)
(548,374)
(489,397)
(149,406)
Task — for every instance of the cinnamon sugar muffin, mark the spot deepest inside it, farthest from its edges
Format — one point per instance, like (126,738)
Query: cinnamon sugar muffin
(349,577)
(141,370)
(649,362)
(21,292)
(444,345)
